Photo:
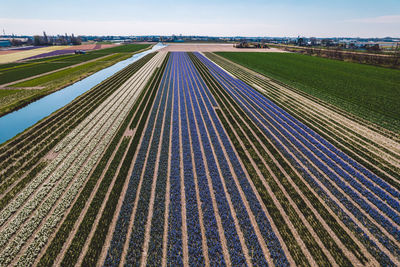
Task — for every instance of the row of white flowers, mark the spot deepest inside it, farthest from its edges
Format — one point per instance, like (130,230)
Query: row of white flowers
(69,145)
(53,189)
(82,125)
(62,161)
(42,236)
(90,140)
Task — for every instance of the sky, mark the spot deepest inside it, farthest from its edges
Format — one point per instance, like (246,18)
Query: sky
(278,18)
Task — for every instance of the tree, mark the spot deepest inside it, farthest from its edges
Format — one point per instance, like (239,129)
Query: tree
(36,40)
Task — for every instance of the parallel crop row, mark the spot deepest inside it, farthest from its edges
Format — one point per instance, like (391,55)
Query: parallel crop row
(174,161)
(77,156)
(81,236)
(23,157)
(210,202)
(372,149)
(54,248)
(96,244)
(121,228)
(282,129)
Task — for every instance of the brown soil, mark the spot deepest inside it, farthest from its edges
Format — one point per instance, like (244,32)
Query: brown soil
(51,155)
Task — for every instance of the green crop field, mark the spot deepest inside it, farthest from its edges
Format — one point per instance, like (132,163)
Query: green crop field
(370,92)
(29,71)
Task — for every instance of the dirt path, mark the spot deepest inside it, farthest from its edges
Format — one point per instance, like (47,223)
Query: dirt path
(22,88)
(167,190)
(182,187)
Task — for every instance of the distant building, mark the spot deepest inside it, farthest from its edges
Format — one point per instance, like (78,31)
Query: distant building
(5,43)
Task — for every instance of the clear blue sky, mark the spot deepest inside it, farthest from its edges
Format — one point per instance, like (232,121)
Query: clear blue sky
(367,18)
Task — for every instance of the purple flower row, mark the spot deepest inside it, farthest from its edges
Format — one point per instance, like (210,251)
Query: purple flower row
(244,220)
(51,54)
(270,238)
(223,209)
(121,229)
(255,104)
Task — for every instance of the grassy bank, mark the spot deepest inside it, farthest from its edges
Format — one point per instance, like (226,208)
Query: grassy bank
(370,92)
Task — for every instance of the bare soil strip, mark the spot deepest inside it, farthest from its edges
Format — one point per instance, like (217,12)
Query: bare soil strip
(167,190)
(183,197)
(193,47)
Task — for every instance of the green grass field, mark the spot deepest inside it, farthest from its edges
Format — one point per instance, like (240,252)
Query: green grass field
(370,92)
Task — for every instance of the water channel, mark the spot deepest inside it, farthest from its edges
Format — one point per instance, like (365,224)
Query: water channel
(17,121)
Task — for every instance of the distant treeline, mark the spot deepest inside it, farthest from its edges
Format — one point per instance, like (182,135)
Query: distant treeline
(383,60)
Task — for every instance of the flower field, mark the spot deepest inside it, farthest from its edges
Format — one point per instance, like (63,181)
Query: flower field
(70,50)
(190,159)
(22,54)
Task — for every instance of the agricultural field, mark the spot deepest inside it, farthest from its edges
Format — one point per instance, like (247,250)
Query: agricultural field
(187,158)
(39,77)
(26,53)
(370,92)
(18,71)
